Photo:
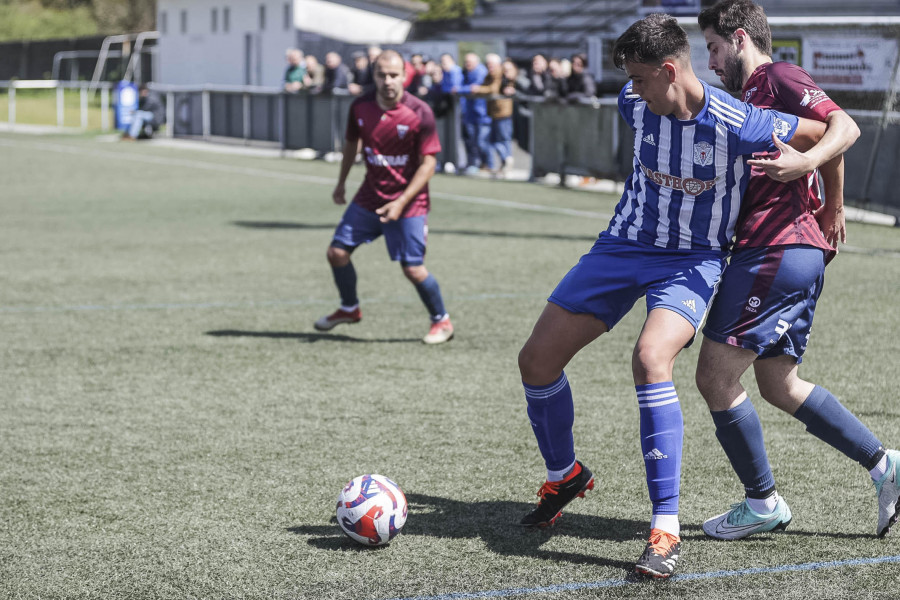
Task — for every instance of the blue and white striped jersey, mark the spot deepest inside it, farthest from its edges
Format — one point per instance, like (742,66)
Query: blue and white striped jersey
(689,176)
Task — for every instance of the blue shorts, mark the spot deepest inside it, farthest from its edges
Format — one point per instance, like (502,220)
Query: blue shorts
(767,299)
(405,237)
(609,279)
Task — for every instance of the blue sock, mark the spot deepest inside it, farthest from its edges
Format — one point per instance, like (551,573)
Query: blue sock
(662,434)
(552,414)
(827,419)
(345,279)
(740,434)
(430,293)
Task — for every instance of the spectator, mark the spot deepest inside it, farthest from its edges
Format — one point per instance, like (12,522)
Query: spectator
(417,68)
(361,75)
(580,83)
(315,74)
(500,112)
(539,78)
(296,71)
(556,88)
(514,82)
(372,52)
(452,75)
(475,119)
(435,95)
(337,75)
(149,115)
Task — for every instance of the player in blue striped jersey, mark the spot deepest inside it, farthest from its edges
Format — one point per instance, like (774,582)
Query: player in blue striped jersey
(667,241)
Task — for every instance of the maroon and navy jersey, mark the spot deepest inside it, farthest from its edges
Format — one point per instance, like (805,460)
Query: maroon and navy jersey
(775,213)
(393,143)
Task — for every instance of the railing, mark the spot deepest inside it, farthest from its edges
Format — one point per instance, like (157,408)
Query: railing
(586,137)
(60,87)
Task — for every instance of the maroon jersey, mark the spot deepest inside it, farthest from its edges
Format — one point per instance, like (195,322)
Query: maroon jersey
(393,143)
(775,213)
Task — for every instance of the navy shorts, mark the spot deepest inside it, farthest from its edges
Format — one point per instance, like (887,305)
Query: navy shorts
(609,279)
(767,299)
(405,238)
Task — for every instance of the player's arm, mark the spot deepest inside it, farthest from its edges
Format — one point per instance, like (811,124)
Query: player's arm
(831,216)
(394,209)
(839,134)
(351,149)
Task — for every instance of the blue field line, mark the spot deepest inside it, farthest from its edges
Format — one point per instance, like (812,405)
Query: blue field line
(612,583)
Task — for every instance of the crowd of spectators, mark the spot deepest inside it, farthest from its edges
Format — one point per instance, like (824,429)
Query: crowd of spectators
(492,95)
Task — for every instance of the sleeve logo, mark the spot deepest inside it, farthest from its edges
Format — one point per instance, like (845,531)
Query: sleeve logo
(781,127)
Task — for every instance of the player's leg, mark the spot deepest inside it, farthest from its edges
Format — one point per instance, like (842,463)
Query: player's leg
(759,290)
(826,418)
(406,243)
(591,298)
(357,226)
(739,431)
(676,303)
(664,334)
(557,336)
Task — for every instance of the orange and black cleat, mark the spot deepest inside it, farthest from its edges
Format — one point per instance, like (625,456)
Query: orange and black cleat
(554,495)
(660,556)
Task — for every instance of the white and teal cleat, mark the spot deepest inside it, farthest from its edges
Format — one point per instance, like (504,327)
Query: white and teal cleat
(741,521)
(888,490)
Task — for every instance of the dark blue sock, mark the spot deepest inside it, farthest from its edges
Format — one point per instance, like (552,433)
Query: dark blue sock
(827,419)
(430,293)
(662,435)
(345,279)
(740,434)
(552,414)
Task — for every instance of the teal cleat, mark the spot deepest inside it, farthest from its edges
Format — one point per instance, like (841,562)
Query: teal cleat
(888,490)
(741,521)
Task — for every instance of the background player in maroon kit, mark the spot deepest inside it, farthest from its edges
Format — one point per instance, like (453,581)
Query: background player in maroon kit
(396,133)
(764,308)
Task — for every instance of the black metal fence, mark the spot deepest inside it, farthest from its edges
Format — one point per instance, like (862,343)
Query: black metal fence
(587,138)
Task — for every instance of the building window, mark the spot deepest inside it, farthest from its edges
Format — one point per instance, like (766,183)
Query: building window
(262,17)
(214,22)
(184,24)
(287,16)
(163,25)
(226,19)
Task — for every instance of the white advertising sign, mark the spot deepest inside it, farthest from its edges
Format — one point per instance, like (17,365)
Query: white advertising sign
(862,64)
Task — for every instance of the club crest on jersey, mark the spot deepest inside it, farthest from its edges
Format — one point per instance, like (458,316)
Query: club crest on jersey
(703,153)
(401,130)
(781,127)
(749,93)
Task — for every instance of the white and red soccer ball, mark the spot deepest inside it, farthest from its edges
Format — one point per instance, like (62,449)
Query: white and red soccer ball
(371,510)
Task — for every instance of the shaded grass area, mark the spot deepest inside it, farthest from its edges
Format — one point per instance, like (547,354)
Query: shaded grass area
(173,426)
(39,107)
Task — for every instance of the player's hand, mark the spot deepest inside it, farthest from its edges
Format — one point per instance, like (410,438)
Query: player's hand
(833,225)
(789,165)
(390,211)
(338,195)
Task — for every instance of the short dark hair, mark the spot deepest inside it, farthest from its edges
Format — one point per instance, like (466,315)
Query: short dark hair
(581,56)
(728,16)
(651,40)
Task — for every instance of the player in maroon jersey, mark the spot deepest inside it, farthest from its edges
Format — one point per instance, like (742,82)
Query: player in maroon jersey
(764,308)
(395,132)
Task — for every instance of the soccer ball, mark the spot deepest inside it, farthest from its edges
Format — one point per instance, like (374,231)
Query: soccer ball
(371,510)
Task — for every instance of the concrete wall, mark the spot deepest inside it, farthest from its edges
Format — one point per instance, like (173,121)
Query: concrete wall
(241,50)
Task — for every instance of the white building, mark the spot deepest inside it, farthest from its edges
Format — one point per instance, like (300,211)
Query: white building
(242,42)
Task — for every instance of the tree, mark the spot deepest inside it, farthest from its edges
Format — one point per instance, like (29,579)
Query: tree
(448,9)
